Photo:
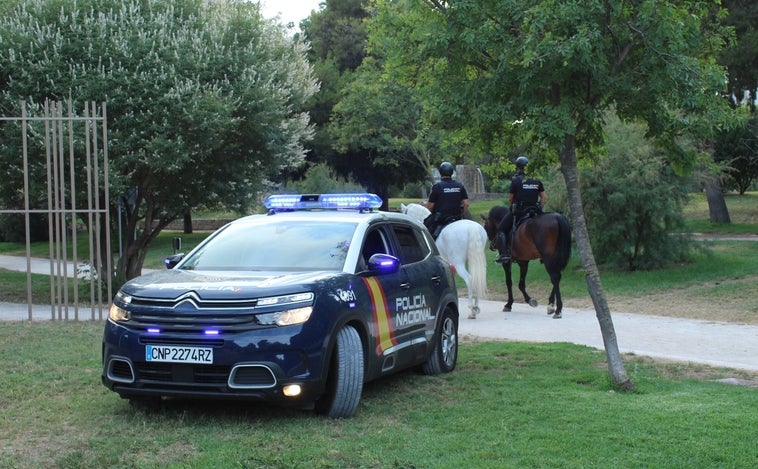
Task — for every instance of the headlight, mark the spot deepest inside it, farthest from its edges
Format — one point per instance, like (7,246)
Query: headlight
(285,299)
(117,314)
(287,317)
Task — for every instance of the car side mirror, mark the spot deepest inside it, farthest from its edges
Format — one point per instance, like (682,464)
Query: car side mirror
(383,264)
(171,261)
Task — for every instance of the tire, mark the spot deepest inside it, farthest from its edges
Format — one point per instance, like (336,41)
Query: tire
(445,354)
(345,381)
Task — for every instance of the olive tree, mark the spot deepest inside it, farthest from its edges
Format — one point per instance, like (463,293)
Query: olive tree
(544,73)
(204,99)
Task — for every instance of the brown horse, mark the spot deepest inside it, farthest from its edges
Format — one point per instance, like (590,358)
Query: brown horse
(546,237)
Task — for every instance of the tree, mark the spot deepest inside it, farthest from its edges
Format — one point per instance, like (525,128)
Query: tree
(741,57)
(204,99)
(366,127)
(337,36)
(545,73)
(382,120)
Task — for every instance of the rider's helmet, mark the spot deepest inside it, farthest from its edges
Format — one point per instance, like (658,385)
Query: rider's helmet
(521,162)
(446,169)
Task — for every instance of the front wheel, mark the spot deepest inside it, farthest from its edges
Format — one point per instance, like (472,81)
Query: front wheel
(345,381)
(445,354)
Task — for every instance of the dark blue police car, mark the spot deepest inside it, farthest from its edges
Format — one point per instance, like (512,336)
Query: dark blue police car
(300,306)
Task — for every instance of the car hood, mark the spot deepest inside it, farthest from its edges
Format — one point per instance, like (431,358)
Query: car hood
(210,285)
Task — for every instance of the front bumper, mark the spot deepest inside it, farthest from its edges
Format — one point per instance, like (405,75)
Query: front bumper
(252,365)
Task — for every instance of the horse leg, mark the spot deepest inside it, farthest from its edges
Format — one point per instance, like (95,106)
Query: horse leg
(555,279)
(509,286)
(551,302)
(524,269)
(473,301)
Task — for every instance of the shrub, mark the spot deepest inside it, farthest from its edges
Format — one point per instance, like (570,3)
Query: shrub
(633,204)
(12,228)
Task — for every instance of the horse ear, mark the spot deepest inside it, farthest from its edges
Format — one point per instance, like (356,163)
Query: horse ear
(403,208)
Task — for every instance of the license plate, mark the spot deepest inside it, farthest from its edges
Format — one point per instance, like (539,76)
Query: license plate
(178,354)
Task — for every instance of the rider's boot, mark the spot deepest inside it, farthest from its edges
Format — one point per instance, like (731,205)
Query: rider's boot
(505,254)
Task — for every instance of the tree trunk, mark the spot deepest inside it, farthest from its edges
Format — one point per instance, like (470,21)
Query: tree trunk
(717,209)
(594,285)
(187,222)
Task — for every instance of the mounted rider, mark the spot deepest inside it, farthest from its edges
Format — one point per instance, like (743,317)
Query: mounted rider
(448,201)
(527,196)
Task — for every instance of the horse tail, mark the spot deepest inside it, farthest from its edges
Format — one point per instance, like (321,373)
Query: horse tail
(564,242)
(477,260)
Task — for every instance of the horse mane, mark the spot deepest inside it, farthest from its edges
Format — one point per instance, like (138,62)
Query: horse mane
(497,213)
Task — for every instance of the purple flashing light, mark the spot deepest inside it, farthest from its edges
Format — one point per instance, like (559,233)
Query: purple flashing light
(153,330)
(212,332)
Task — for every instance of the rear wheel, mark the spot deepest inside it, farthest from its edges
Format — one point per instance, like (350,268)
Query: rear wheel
(445,354)
(345,382)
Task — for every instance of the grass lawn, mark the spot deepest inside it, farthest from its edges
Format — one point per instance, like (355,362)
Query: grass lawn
(507,405)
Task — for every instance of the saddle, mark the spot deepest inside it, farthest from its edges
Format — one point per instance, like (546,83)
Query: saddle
(528,212)
(436,221)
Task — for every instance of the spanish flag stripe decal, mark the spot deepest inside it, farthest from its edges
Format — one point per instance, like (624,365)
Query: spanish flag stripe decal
(381,315)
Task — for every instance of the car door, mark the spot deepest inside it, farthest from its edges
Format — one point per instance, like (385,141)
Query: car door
(389,346)
(415,306)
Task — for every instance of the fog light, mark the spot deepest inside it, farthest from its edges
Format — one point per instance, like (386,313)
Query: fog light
(292,390)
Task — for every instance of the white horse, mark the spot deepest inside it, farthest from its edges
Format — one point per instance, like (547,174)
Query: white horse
(461,242)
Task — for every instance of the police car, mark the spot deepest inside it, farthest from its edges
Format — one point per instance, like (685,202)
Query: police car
(300,306)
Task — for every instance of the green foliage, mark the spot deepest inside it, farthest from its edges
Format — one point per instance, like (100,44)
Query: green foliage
(320,179)
(737,150)
(633,203)
(536,72)
(205,99)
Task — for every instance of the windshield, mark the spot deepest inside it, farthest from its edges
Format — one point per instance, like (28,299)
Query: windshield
(275,245)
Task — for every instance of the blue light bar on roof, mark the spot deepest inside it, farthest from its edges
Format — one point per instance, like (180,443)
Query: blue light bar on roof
(279,202)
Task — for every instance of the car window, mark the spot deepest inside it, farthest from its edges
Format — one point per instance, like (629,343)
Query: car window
(276,245)
(411,247)
(375,243)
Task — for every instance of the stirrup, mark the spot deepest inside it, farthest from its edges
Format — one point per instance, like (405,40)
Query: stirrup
(503,258)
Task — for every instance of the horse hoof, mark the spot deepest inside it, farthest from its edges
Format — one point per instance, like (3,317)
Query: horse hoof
(506,309)
(557,316)
(533,303)
(550,309)
(472,316)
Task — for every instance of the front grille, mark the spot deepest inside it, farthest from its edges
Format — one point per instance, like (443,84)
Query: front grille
(194,300)
(158,340)
(193,322)
(172,373)
(191,313)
